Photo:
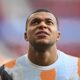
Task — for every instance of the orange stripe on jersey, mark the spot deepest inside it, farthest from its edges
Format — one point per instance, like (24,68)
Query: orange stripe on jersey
(10,64)
(48,75)
(79,66)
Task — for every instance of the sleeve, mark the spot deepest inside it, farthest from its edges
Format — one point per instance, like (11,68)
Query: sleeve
(4,74)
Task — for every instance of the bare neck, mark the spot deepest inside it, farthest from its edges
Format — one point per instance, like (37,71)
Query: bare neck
(43,58)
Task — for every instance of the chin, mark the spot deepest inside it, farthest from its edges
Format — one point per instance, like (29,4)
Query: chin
(42,41)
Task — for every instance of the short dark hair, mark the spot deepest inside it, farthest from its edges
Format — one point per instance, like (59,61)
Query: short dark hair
(40,10)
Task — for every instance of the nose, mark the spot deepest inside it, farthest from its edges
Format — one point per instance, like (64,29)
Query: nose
(42,25)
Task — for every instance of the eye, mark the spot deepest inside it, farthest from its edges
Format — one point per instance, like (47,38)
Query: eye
(49,22)
(35,22)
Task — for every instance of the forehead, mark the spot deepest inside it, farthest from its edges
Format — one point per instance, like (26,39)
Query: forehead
(42,15)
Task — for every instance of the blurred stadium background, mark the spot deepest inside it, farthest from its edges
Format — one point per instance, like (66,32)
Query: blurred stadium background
(13,15)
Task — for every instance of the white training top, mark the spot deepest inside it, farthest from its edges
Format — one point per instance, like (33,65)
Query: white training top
(65,68)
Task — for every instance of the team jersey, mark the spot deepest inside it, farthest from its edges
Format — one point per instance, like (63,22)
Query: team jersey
(65,68)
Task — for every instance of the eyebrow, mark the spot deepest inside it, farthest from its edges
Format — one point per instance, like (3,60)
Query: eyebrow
(35,19)
(49,19)
(41,19)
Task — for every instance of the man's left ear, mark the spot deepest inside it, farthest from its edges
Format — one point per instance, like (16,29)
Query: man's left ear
(25,36)
(58,35)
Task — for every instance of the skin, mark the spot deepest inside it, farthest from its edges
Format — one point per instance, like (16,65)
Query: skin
(42,34)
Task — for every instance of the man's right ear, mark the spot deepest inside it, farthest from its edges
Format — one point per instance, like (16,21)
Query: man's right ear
(25,36)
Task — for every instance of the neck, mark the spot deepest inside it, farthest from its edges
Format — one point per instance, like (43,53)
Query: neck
(43,58)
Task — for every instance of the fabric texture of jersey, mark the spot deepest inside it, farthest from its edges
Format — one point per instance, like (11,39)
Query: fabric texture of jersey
(65,68)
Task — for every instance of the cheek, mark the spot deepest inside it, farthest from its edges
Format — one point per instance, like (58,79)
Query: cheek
(30,34)
(52,29)
(55,35)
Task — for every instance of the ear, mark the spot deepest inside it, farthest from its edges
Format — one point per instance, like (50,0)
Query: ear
(25,36)
(58,35)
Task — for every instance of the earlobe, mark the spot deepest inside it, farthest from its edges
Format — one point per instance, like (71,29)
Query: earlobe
(58,35)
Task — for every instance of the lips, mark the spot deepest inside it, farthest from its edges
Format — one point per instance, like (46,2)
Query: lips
(42,33)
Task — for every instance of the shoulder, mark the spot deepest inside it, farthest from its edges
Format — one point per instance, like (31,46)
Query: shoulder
(15,62)
(71,62)
(69,59)
(10,64)
(64,56)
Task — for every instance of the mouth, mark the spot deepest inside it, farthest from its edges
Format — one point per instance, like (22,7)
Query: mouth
(42,34)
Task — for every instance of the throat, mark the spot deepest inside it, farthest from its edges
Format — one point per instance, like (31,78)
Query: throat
(44,59)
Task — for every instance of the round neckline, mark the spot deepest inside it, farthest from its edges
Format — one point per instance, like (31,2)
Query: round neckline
(43,67)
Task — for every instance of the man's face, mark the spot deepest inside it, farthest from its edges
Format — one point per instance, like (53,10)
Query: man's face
(42,29)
